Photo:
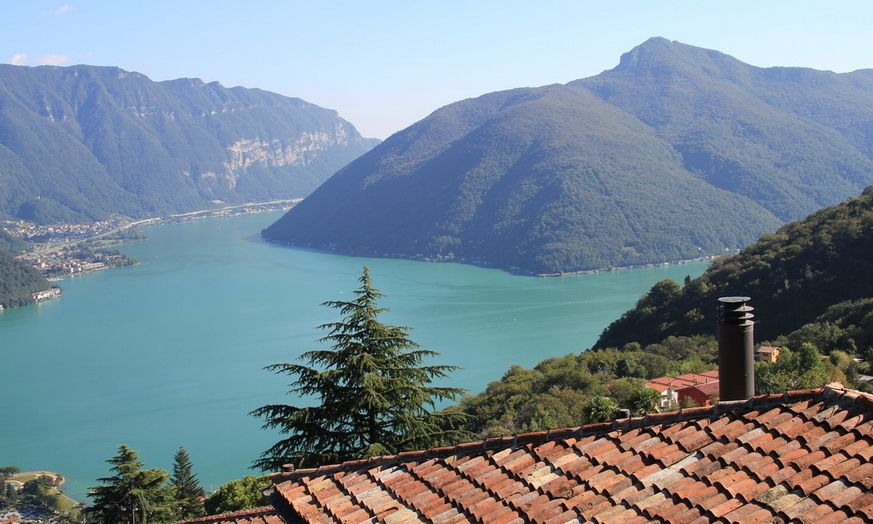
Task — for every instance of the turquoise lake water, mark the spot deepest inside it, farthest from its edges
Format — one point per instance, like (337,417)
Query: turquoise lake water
(170,352)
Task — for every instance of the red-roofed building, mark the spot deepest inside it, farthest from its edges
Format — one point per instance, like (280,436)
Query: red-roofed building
(668,387)
(803,455)
(700,395)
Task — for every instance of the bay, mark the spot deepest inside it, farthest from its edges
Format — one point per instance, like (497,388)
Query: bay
(170,352)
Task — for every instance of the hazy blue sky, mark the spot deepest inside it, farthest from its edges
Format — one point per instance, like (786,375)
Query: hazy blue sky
(384,65)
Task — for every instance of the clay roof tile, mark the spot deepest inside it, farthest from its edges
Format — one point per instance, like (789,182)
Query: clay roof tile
(796,455)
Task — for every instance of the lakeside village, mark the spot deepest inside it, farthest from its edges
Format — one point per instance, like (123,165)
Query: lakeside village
(63,250)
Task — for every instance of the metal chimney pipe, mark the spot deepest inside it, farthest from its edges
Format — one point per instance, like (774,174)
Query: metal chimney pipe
(736,349)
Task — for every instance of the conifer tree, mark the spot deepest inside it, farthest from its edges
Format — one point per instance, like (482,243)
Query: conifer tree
(187,492)
(131,495)
(372,394)
(11,495)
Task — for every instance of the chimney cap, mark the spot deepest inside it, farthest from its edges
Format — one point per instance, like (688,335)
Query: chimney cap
(734,300)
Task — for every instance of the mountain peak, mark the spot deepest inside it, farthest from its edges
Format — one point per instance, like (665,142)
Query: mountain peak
(659,56)
(655,49)
(678,152)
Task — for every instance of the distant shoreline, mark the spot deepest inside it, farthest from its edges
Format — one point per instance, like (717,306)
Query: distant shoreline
(511,271)
(256,207)
(49,249)
(30,475)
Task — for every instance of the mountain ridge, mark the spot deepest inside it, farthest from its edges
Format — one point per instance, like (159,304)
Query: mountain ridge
(83,143)
(673,154)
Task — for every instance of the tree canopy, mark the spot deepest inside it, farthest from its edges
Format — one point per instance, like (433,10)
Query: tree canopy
(372,395)
(793,277)
(131,494)
(237,494)
(187,492)
(581,388)
(18,281)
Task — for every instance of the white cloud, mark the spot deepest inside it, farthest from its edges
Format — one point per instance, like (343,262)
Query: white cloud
(60,10)
(18,59)
(55,60)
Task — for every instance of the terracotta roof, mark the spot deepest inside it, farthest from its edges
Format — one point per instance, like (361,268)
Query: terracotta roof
(662,384)
(262,515)
(767,349)
(710,388)
(802,455)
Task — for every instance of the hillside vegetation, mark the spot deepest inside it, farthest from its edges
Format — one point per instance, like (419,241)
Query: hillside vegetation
(811,284)
(10,244)
(18,281)
(675,153)
(592,386)
(561,392)
(83,143)
(793,276)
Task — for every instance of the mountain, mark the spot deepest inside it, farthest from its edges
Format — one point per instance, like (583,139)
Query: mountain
(793,277)
(791,139)
(676,152)
(84,143)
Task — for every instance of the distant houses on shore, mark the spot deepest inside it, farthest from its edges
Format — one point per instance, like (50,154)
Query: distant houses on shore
(46,294)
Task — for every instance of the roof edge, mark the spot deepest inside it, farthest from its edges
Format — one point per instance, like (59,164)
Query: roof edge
(251,512)
(719,408)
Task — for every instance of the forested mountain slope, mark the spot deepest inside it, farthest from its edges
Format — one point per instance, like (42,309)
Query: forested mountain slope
(791,139)
(83,143)
(793,276)
(677,152)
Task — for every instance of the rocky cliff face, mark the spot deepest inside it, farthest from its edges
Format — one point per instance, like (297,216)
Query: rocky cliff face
(299,151)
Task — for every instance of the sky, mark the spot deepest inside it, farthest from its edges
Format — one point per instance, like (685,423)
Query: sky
(385,65)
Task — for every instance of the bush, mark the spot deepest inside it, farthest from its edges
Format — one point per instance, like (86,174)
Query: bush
(237,494)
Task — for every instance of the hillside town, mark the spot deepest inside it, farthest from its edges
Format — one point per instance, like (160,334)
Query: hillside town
(75,259)
(52,233)
(62,250)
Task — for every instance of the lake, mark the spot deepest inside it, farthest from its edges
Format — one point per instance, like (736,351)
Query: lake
(170,352)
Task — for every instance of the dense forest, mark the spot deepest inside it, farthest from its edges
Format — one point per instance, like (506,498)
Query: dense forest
(793,276)
(17,279)
(675,153)
(82,143)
